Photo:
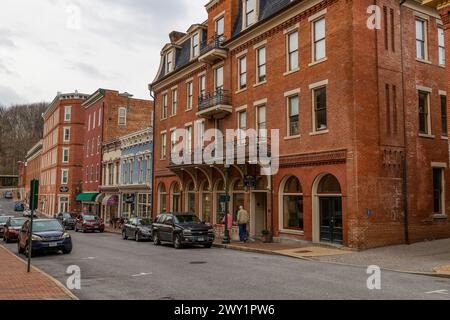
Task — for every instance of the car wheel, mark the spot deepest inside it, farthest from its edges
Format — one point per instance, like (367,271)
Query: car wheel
(124,235)
(208,245)
(67,251)
(177,242)
(137,237)
(156,240)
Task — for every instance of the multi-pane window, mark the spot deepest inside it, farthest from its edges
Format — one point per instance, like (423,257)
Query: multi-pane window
(261,64)
(250,12)
(242,125)
(169,61)
(149,171)
(140,170)
(242,73)
(261,123)
(444,116)
(202,86)
(189,139)
(163,145)
(424,125)
(65,156)
(220,26)
(218,78)
(438,191)
(293,108)
(122,116)
(164,107)
(174,101)
(190,95)
(320,108)
(66,137)
(292,44)
(195,45)
(110,174)
(441,42)
(67,113)
(200,134)
(421,38)
(319,39)
(131,164)
(64,176)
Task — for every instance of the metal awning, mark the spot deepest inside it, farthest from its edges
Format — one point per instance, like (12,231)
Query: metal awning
(87,197)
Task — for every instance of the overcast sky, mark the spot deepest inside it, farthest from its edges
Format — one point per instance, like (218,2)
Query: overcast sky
(48,46)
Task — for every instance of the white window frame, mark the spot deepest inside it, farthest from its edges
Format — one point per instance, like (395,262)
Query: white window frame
(170,61)
(316,41)
(216,24)
(64,152)
(122,116)
(424,23)
(314,87)
(202,85)
(163,145)
(64,180)
(242,135)
(428,92)
(216,78)
(189,95)
(242,74)
(164,106)
(66,129)
(290,52)
(441,46)
(289,96)
(67,113)
(246,13)
(174,101)
(195,48)
(260,65)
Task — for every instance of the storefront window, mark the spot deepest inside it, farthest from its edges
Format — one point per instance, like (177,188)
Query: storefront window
(190,203)
(175,198)
(162,197)
(293,204)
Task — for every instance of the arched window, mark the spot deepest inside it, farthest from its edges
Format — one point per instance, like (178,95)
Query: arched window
(292,196)
(190,197)
(162,197)
(329,185)
(175,201)
(238,197)
(205,196)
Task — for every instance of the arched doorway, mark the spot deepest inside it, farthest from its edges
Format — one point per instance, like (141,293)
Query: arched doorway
(162,198)
(190,197)
(205,202)
(327,208)
(175,198)
(291,205)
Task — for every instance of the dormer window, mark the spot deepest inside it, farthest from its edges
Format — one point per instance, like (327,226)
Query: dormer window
(170,61)
(250,13)
(195,51)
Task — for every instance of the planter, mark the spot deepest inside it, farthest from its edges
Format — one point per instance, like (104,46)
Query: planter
(267,238)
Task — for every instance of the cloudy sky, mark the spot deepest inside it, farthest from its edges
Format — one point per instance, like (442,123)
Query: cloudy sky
(48,46)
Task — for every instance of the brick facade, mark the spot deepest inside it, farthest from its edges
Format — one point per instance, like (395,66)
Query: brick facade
(371,144)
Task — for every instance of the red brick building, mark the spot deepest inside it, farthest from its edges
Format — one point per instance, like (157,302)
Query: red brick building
(62,154)
(32,168)
(361,112)
(21,171)
(108,115)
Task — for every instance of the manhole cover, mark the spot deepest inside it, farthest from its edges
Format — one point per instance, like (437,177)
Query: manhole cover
(303,251)
(198,262)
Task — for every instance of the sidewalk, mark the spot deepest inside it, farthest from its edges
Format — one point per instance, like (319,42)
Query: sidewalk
(17,284)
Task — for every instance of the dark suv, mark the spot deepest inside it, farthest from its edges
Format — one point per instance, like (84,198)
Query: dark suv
(182,229)
(67,220)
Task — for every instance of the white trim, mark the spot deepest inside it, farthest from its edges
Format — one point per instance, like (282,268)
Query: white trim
(259,103)
(292,28)
(442,165)
(241,54)
(318,84)
(317,16)
(259,45)
(220,15)
(240,109)
(442,93)
(293,92)
(424,89)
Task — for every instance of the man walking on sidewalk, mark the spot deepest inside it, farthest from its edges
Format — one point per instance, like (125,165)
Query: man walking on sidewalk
(243,219)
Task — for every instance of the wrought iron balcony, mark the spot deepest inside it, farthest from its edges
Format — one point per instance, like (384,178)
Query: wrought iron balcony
(216,105)
(212,52)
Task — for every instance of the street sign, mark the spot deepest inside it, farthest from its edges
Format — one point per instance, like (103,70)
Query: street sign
(34,194)
(64,189)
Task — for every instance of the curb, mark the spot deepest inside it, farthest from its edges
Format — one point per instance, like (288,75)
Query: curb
(262,251)
(58,284)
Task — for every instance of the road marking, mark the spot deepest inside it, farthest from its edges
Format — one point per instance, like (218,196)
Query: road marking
(438,292)
(88,258)
(142,274)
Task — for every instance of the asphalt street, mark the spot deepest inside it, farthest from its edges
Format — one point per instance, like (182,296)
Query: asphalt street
(112,269)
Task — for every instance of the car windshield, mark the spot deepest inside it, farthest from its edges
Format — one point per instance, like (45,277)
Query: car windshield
(90,218)
(17,222)
(187,219)
(145,222)
(47,225)
(4,219)
(67,216)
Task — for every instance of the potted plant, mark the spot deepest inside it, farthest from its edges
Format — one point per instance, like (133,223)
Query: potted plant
(266,236)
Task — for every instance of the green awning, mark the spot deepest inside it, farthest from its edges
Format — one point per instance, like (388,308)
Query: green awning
(87,197)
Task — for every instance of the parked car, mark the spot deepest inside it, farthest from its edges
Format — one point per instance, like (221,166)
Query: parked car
(27,214)
(12,228)
(19,207)
(182,229)
(137,229)
(67,220)
(3,221)
(89,223)
(8,195)
(48,235)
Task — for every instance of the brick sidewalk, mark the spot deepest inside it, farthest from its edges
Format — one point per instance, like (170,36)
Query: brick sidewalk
(17,284)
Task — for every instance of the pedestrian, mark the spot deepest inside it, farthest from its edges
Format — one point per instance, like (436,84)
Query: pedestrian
(243,219)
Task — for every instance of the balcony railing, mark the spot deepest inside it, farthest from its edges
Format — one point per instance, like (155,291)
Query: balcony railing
(213,51)
(217,98)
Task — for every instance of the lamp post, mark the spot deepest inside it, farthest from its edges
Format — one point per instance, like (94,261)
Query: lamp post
(226,236)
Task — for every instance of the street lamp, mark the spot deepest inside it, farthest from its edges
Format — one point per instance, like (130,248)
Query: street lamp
(226,236)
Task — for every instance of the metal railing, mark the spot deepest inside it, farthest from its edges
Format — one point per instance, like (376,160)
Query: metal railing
(218,97)
(216,43)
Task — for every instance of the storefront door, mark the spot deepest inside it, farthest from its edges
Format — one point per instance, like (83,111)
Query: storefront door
(331,220)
